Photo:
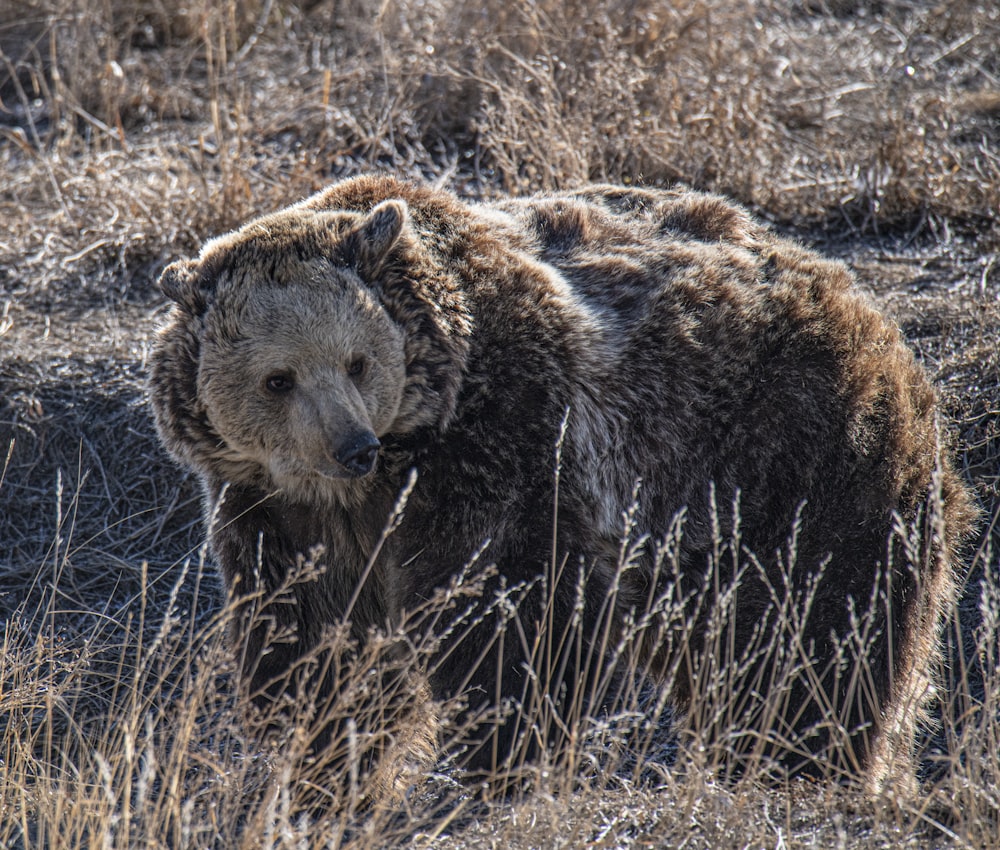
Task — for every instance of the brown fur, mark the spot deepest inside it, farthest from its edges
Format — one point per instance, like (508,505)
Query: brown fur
(695,351)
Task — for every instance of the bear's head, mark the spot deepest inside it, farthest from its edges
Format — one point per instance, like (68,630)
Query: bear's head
(282,366)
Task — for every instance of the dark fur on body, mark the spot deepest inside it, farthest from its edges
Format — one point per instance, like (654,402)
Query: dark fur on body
(691,346)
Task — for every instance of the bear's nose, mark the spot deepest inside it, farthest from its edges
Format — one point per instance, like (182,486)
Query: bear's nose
(359,453)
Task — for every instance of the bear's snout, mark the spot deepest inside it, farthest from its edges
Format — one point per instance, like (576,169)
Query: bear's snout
(359,453)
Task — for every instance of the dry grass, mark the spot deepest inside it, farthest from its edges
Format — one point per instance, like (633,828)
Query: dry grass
(129,131)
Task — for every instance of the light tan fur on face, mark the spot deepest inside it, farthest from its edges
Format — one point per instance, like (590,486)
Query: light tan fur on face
(286,329)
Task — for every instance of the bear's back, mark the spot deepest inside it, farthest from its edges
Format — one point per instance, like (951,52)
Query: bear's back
(631,254)
(725,353)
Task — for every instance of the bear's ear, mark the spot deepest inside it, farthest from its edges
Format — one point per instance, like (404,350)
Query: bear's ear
(179,282)
(366,247)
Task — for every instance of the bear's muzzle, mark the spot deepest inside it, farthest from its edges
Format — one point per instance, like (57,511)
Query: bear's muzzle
(359,453)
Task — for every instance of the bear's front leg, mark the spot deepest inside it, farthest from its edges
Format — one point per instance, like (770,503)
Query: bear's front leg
(524,659)
(261,565)
(309,663)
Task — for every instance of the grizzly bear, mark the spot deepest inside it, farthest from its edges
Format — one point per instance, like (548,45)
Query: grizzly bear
(660,425)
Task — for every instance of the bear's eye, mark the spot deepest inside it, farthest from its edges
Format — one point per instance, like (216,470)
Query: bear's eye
(356,368)
(279,383)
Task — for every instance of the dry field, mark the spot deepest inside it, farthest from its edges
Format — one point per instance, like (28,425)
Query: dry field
(129,131)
